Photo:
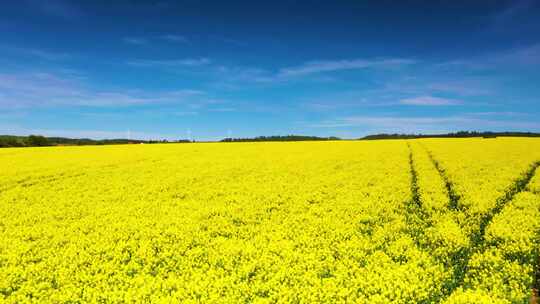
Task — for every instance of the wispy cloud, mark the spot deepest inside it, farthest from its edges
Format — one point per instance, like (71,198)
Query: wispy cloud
(48,55)
(222,110)
(312,71)
(343,100)
(133,98)
(45,89)
(387,122)
(429,101)
(524,56)
(187,62)
(85,133)
(185,113)
(321,66)
(135,40)
(461,87)
(411,124)
(529,55)
(174,38)
(239,74)
(56,8)
(230,41)
(35,52)
(511,14)
(499,114)
(236,76)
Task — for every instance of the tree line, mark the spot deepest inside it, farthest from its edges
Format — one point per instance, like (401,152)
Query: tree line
(460,134)
(42,141)
(7,141)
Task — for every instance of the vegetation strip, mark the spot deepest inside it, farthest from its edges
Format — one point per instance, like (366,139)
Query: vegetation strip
(452,195)
(417,217)
(518,186)
(477,238)
(414,179)
(536,283)
(415,214)
(458,269)
(459,134)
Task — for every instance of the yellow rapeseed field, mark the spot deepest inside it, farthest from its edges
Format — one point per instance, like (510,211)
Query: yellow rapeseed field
(390,221)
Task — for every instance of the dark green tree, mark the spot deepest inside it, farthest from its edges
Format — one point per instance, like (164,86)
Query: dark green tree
(37,141)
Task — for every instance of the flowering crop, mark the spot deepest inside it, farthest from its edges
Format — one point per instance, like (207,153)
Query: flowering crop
(416,221)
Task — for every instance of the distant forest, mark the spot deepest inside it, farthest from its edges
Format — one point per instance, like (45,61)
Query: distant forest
(460,134)
(42,141)
(7,141)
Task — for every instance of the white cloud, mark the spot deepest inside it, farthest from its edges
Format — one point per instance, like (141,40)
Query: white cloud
(57,8)
(166,37)
(463,88)
(321,66)
(188,62)
(529,55)
(222,110)
(241,75)
(515,12)
(429,101)
(46,89)
(185,113)
(93,134)
(174,38)
(135,40)
(525,56)
(228,40)
(499,114)
(231,76)
(36,53)
(411,124)
(342,100)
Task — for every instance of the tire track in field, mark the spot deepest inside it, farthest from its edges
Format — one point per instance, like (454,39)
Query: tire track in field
(414,180)
(535,299)
(478,237)
(453,207)
(453,197)
(461,257)
(31,181)
(417,218)
(518,186)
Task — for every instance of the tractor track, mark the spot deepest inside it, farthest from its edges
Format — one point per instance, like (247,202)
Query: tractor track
(478,236)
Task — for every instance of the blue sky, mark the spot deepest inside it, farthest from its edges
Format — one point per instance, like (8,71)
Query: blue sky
(171,69)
